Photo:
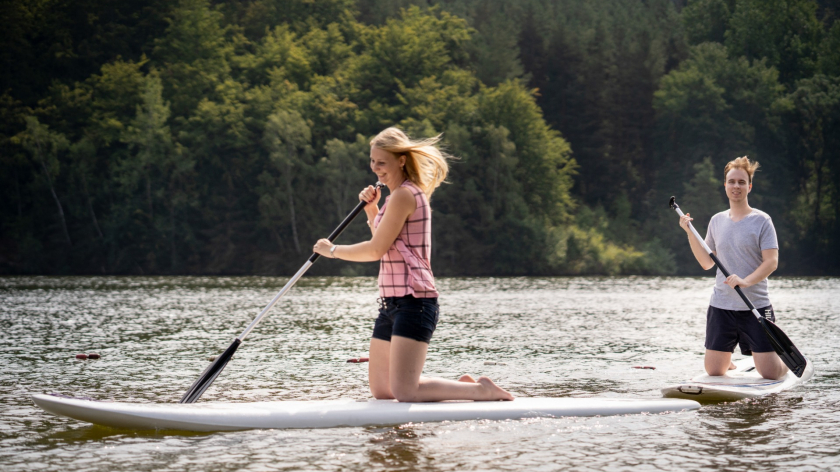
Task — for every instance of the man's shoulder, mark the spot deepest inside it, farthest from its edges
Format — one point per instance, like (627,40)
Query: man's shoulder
(760,218)
(760,214)
(720,215)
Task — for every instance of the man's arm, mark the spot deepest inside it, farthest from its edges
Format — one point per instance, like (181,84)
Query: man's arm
(700,254)
(770,261)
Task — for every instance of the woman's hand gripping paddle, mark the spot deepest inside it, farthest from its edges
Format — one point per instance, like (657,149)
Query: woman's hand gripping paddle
(783,346)
(214,369)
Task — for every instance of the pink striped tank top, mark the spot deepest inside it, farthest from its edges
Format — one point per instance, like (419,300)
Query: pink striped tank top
(406,268)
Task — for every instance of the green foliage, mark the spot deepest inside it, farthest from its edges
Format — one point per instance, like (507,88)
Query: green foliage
(44,146)
(586,251)
(703,195)
(399,55)
(784,32)
(829,59)
(707,20)
(225,137)
(192,55)
(713,106)
(815,114)
(257,17)
(343,171)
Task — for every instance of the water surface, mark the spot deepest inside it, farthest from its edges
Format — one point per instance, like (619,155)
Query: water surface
(553,337)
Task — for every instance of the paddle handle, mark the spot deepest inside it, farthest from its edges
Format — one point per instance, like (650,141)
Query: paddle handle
(314,257)
(714,258)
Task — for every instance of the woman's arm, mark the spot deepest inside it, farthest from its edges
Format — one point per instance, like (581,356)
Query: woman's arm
(400,207)
(371,217)
(770,261)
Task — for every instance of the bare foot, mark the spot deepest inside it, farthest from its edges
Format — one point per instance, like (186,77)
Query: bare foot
(732,366)
(466,378)
(493,391)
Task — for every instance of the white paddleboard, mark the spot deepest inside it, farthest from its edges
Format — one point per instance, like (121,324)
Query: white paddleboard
(742,382)
(218,416)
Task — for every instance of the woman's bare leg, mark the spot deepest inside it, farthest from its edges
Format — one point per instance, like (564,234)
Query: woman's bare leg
(406,360)
(378,366)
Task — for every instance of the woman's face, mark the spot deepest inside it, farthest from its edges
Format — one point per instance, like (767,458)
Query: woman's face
(387,166)
(737,185)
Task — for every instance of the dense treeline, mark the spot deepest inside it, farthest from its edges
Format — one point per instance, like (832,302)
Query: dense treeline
(226,137)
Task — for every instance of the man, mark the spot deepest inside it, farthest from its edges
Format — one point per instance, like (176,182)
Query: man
(744,240)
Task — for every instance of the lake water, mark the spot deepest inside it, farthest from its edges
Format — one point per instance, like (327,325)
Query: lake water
(557,337)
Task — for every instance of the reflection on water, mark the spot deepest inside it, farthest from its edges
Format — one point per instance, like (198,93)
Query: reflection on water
(397,447)
(573,336)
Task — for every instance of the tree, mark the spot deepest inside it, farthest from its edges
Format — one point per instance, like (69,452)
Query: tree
(343,172)
(192,55)
(784,32)
(707,20)
(287,139)
(149,137)
(495,48)
(44,146)
(712,106)
(815,117)
(401,54)
(702,195)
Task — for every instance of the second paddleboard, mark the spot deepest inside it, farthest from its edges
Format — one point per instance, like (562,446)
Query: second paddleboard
(742,382)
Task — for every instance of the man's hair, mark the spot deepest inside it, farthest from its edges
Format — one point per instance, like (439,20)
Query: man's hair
(742,163)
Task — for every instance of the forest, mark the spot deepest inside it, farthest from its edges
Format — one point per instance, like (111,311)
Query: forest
(225,137)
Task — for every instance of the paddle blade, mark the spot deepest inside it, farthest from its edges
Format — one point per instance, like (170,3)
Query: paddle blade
(210,373)
(784,347)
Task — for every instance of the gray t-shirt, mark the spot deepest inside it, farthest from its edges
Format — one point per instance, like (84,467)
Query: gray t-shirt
(738,245)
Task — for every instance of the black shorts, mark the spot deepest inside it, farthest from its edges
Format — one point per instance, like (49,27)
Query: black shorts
(409,317)
(726,328)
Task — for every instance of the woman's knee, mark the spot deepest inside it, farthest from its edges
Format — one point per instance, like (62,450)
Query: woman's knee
(404,392)
(381,393)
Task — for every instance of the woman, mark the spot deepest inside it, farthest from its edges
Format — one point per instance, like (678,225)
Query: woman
(401,240)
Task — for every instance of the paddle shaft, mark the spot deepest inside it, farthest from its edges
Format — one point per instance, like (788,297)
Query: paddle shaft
(314,257)
(215,368)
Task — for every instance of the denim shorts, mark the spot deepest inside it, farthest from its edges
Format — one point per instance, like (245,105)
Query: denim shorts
(409,317)
(726,328)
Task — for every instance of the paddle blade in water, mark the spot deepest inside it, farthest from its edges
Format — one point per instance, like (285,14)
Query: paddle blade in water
(784,347)
(210,373)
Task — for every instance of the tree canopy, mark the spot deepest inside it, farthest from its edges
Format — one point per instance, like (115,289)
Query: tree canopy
(220,137)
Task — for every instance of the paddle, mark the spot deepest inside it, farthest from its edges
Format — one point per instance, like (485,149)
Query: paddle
(214,369)
(783,346)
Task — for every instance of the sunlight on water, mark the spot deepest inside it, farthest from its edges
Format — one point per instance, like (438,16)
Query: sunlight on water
(576,336)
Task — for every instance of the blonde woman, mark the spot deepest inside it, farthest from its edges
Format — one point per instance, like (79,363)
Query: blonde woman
(401,240)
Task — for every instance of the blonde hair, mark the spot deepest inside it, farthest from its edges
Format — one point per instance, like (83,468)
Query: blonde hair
(425,164)
(742,163)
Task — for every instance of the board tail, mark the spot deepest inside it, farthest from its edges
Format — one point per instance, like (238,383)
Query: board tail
(784,347)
